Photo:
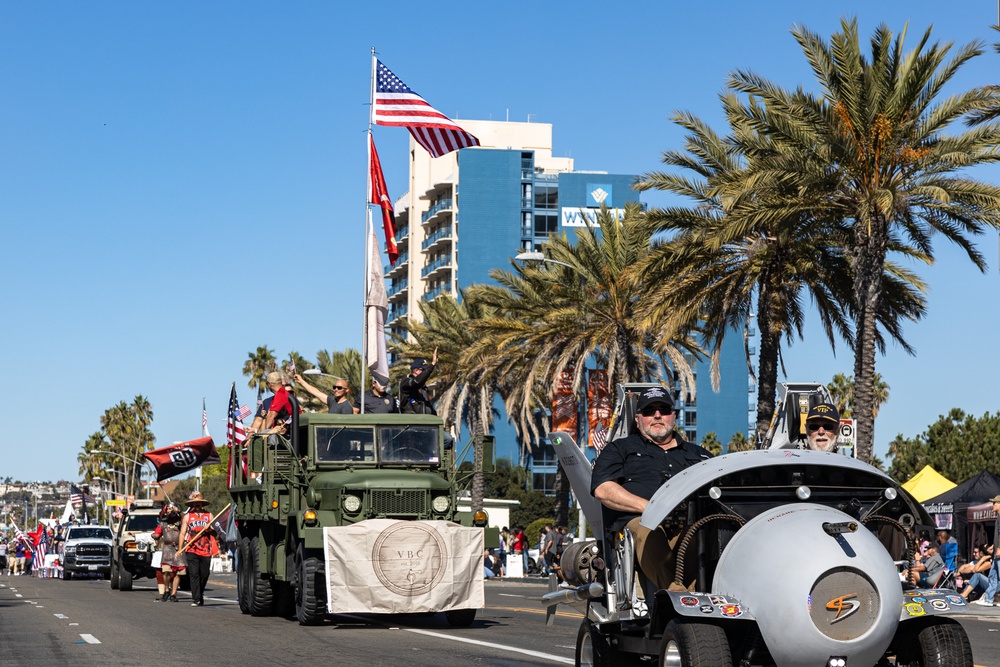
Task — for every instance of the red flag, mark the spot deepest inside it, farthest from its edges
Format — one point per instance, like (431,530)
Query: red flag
(380,197)
(397,105)
(182,457)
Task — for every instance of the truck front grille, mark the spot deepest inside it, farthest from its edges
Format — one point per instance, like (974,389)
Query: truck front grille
(99,550)
(399,502)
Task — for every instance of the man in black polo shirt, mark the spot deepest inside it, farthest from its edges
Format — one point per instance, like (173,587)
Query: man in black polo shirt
(630,470)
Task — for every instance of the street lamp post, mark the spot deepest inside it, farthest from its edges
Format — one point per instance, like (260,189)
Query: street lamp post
(316,371)
(127,458)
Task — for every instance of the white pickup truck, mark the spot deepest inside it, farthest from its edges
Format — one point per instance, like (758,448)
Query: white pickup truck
(87,550)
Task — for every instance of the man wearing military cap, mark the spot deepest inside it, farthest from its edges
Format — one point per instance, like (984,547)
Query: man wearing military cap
(822,427)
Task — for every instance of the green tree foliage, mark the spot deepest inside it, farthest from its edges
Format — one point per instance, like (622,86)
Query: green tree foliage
(711,443)
(258,365)
(841,390)
(957,445)
(871,154)
(739,443)
(115,452)
(534,530)
(509,482)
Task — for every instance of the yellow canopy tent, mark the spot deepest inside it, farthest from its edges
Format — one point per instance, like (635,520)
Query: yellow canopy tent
(927,484)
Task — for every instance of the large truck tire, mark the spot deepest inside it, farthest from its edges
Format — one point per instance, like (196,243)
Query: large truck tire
(310,607)
(700,644)
(260,595)
(243,574)
(460,618)
(124,578)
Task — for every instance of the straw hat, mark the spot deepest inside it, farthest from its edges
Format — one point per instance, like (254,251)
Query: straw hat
(196,499)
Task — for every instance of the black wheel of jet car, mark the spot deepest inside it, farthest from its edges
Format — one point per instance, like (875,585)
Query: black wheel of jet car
(694,645)
(942,643)
(592,648)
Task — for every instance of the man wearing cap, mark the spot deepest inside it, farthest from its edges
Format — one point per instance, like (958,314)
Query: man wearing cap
(822,427)
(281,406)
(377,399)
(413,397)
(994,576)
(629,471)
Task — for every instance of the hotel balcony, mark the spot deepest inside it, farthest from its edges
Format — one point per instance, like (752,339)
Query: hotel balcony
(399,269)
(432,294)
(396,312)
(397,290)
(441,208)
(440,265)
(441,237)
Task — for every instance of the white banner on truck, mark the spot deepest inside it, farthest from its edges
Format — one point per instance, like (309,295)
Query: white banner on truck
(394,567)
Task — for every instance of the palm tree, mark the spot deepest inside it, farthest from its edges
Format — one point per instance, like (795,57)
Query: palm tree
(582,303)
(870,154)
(258,365)
(465,389)
(842,392)
(739,252)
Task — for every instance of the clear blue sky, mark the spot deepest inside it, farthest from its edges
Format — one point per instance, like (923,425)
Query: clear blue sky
(182,182)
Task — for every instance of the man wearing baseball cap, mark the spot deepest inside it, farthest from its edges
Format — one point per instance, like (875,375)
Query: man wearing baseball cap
(629,471)
(413,396)
(822,427)
(994,575)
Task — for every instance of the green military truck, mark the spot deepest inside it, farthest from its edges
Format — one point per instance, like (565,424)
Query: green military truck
(356,513)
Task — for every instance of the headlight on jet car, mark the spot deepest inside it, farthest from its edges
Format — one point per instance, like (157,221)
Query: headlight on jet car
(441,504)
(352,504)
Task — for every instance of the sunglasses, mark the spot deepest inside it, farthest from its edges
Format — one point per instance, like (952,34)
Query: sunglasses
(341,388)
(815,427)
(650,412)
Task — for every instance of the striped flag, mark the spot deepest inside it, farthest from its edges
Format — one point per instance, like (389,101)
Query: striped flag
(244,412)
(204,419)
(398,106)
(235,433)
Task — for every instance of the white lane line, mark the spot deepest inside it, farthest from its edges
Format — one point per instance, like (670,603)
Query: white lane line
(18,595)
(60,615)
(502,647)
(74,624)
(90,639)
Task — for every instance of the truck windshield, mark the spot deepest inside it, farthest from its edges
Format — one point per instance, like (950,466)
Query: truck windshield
(409,444)
(139,523)
(89,533)
(345,444)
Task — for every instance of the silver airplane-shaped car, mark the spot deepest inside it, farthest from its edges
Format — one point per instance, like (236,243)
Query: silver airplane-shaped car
(796,556)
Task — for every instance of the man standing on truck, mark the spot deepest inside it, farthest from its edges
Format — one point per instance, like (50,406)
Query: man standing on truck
(377,399)
(629,471)
(413,396)
(336,403)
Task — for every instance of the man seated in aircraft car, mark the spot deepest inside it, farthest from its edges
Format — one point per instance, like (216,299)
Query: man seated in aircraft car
(822,427)
(628,472)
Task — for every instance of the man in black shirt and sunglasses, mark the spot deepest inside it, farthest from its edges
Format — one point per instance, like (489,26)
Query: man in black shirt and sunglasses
(629,471)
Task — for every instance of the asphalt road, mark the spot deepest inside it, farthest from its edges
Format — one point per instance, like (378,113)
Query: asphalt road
(84,622)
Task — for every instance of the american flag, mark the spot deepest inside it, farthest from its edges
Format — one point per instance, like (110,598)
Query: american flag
(19,534)
(398,106)
(77,497)
(235,433)
(204,419)
(244,412)
(599,437)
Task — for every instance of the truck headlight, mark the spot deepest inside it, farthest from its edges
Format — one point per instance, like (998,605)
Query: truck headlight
(441,504)
(352,504)
(70,550)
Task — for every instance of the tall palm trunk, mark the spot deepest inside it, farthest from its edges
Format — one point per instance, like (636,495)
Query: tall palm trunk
(767,364)
(868,268)
(478,480)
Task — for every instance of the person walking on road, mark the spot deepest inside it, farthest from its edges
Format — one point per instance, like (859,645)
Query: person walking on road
(172,564)
(197,535)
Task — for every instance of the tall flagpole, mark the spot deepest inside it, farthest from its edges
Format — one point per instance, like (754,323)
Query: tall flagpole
(365,338)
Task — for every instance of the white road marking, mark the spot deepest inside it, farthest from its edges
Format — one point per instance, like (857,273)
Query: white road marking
(74,624)
(502,647)
(90,639)
(60,615)
(18,595)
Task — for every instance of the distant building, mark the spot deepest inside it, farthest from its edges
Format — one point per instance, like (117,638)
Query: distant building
(471,211)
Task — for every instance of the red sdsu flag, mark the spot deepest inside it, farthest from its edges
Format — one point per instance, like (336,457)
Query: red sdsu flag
(182,457)
(380,197)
